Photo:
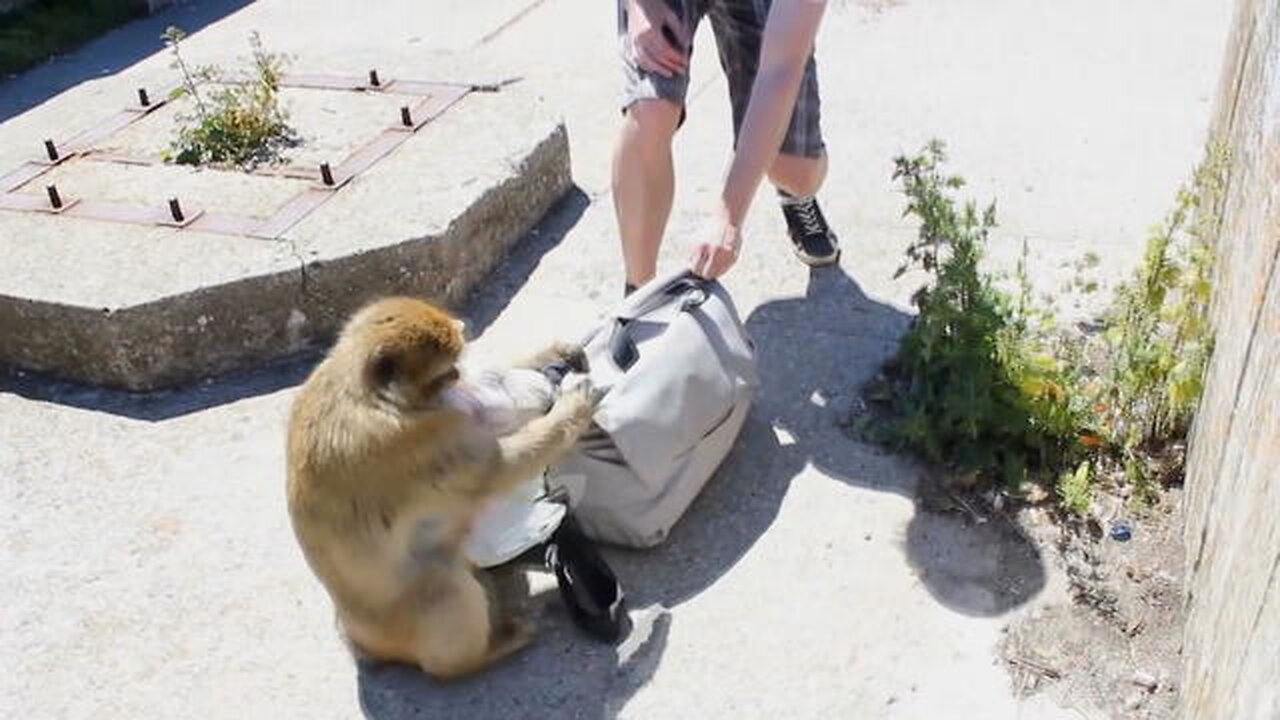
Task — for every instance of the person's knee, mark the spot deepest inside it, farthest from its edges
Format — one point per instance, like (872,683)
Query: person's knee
(654,121)
(797,174)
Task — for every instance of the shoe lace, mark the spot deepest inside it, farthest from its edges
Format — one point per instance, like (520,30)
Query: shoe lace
(808,213)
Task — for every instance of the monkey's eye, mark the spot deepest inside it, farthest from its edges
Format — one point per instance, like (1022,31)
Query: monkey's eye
(384,369)
(441,381)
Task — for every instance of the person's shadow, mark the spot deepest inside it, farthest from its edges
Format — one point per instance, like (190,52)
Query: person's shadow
(814,354)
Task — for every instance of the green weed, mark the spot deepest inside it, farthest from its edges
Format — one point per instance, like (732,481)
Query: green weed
(974,389)
(985,383)
(1149,360)
(1157,337)
(237,121)
(1075,488)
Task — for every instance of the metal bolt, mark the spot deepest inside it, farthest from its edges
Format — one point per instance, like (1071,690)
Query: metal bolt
(54,198)
(143,99)
(326,174)
(373,78)
(175,210)
(51,150)
(406,118)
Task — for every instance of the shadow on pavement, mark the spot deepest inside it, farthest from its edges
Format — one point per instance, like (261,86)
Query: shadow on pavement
(814,353)
(562,674)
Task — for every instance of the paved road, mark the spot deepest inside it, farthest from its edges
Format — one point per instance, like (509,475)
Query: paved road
(150,568)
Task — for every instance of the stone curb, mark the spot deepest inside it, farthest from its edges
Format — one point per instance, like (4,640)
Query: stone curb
(257,319)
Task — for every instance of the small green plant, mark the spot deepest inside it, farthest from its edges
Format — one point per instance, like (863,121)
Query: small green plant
(984,383)
(1158,333)
(1075,488)
(1157,339)
(236,121)
(974,389)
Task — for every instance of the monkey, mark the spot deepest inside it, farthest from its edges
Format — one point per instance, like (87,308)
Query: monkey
(385,473)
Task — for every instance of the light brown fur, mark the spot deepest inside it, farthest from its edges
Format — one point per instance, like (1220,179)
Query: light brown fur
(384,478)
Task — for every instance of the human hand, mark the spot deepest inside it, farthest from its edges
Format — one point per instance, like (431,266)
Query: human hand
(658,37)
(712,258)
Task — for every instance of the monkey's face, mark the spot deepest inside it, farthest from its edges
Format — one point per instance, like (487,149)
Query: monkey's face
(414,380)
(410,351)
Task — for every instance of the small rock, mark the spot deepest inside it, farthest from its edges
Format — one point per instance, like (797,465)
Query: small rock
(867,537)
(1146,680)
(1094,528)
(1134,701)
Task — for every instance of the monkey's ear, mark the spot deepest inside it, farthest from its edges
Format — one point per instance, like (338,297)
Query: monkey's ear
(382,368)
(461,325)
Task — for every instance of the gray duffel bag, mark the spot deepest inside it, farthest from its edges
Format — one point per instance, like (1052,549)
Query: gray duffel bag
(679,375)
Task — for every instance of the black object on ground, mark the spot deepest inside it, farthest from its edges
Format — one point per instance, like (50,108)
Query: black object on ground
(588,586)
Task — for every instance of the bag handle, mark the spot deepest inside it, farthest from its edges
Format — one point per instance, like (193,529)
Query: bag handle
(658,292)
(622,345)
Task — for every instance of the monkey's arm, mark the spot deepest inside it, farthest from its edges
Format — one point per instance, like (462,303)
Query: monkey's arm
(541,441)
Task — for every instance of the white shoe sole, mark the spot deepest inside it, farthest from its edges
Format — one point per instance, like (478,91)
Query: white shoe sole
(812,261)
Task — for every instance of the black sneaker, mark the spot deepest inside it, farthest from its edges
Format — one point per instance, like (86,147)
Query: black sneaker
(814,242)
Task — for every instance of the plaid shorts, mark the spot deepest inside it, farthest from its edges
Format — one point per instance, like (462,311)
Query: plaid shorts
(739,28)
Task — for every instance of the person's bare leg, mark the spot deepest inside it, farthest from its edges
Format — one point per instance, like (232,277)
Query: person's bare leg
(797,175)
(644,183)
(797,179)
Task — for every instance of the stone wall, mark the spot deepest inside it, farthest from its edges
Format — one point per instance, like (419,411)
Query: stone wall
(1232,644)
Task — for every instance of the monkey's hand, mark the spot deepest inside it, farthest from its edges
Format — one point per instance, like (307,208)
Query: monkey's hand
(578,400)
(575,356)
(569,354)
(544,439)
